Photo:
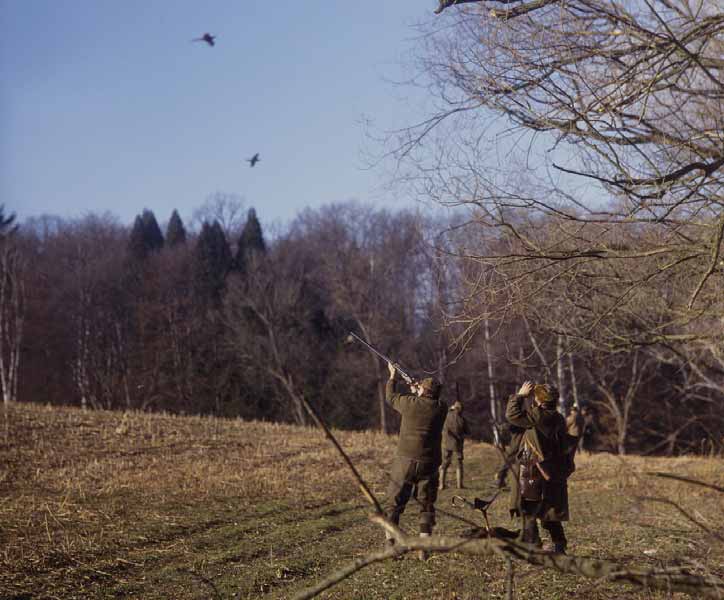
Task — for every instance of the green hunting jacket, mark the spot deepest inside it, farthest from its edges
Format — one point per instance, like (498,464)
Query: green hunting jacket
(423,418)
(454,432)
(545,435)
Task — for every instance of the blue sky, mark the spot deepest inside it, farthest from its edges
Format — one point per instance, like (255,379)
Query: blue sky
(108,106)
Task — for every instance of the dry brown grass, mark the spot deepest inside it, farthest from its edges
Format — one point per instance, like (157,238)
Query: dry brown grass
(104,504)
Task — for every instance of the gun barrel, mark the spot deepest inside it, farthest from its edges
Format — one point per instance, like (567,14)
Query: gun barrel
(404,374)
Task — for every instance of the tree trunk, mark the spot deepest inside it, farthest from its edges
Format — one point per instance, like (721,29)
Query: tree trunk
(378,373)
(381,401)
(12,319)
(574,386)
(561,376)
(491,384)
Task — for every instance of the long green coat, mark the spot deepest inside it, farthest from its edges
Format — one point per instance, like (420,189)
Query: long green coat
(544,431)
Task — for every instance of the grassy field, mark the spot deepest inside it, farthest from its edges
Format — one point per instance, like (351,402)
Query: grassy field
(107,505)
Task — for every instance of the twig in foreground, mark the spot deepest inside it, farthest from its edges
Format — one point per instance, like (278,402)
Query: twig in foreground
(713,534)
(646,577)
(711,486)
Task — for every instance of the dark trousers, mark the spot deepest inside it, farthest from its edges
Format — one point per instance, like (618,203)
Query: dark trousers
(406,475)
(530,533)
(448,455)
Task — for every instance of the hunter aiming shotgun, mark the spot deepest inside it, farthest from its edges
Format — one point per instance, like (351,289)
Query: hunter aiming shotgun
(406,376)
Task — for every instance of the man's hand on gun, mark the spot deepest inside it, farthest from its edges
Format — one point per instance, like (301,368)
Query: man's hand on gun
(392,367)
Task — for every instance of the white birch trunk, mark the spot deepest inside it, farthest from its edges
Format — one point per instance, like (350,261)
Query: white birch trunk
(491,384)
(574,385)
(12,319)
(561,376)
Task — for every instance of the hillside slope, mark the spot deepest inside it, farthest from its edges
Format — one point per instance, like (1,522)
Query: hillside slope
(107,505)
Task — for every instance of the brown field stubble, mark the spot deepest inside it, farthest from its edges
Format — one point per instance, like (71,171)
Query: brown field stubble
(98,504)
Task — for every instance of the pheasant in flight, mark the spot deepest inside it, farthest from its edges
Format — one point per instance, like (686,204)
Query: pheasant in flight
(207,37)
(253,160)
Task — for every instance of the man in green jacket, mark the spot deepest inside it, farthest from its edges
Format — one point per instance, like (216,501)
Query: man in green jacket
(453,439)
(540,490)
(418,450)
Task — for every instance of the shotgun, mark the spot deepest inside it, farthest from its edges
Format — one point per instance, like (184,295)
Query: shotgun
(405,375)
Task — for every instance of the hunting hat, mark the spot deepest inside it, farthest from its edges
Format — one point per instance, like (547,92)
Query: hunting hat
(430,386)
(545,392)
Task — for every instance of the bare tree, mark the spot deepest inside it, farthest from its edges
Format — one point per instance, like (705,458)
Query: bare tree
(12,316)
(372,263)
(266,313)
(229,210)
(90,253)
(624,98)
(619,380)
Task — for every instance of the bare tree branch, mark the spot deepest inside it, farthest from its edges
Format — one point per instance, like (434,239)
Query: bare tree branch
(711,486)
(646,577)
(699,524)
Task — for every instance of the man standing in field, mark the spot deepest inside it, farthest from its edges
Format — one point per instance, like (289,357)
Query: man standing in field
(453,438)
(589,429)
(418,450)
(540,490)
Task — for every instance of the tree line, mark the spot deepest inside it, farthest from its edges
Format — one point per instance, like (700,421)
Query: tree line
(221,318)
(580,146)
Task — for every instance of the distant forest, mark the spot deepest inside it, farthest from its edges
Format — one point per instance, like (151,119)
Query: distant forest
(219,317)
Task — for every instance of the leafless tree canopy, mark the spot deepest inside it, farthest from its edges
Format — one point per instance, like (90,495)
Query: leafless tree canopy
(581,144)
(586,139)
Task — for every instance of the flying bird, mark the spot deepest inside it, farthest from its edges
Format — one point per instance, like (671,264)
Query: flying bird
(207,37)
(253,160)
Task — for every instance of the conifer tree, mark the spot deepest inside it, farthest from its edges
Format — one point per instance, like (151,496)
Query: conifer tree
(251,241)
(212,262)
(175,232)
(137,250)
(146,236)
(151,231)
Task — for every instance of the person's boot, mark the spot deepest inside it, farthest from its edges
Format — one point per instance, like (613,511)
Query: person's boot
(459,477)
(558,537)
(423,554)
(529,533)
(443,477)
(555,547)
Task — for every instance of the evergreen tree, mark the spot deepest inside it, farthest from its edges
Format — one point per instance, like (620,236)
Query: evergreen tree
(212,262)
(146,236)
(175,232)
(251,241)
(151,231)
(137,250)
